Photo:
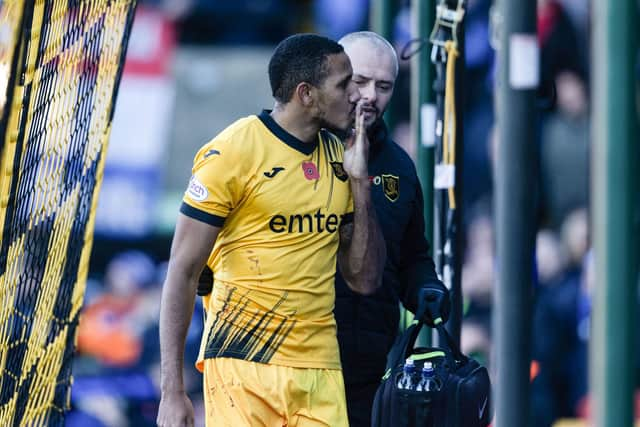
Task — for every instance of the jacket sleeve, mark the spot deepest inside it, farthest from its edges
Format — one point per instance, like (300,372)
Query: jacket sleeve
(417,267)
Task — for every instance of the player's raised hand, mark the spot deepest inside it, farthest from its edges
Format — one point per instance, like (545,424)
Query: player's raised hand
(356,153)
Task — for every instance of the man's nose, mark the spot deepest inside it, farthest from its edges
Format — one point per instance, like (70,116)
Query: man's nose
(368,93)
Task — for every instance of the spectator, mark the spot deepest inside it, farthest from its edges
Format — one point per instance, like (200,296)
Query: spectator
(559,47)
(565,151)
(560,337)
(113,368)
(112,326)
(551,258)
(478,272)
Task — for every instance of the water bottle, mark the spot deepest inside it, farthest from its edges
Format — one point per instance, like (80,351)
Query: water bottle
(406,379)
(427,379)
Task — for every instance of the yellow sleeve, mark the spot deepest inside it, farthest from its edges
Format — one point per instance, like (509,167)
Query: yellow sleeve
(217,182)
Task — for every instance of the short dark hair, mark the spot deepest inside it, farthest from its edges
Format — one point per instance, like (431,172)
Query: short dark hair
(300,58)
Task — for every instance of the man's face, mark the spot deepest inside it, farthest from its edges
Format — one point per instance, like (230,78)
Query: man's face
(338,95)
(374,73)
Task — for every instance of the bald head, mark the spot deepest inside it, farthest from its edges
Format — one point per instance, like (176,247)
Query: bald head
(375,68)
(372,42)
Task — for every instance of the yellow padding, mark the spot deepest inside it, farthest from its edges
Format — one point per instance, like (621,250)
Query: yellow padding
(449,136)
(429,355)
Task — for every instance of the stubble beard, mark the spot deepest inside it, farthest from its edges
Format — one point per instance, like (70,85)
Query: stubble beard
(374,119)
(341,133)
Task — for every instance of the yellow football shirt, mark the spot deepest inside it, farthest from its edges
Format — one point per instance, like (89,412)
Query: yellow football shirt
(280,203)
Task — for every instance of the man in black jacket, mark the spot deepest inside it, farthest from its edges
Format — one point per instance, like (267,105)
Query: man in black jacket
(368,325)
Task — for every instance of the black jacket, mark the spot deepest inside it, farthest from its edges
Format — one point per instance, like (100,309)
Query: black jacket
(368,325)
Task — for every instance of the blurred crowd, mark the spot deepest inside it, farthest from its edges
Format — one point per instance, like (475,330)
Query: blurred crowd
(116,369)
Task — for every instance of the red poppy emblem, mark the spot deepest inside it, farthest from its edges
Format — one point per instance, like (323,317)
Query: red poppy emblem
(310,170)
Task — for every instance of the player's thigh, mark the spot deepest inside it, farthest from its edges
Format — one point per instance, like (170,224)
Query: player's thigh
(326,405)
(238,393)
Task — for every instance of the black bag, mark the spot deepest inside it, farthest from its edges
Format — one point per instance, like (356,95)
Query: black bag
(462,397)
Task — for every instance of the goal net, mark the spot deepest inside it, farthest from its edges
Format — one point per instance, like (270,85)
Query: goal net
(60,65)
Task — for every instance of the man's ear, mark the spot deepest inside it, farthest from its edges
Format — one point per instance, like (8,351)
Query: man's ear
(305,93)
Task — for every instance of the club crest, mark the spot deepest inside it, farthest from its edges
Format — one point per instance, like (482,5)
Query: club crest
(339,171)
(391,187)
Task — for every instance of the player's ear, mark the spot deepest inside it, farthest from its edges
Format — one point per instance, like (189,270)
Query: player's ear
(305,93)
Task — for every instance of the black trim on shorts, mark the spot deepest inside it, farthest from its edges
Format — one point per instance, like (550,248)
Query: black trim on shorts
(286,137)
(206,217)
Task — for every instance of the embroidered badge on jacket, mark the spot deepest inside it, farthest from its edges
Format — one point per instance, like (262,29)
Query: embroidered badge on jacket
(391,187)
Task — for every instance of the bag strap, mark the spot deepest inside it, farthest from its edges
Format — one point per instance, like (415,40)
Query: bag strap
(444,335)
(404,346)
(400,350)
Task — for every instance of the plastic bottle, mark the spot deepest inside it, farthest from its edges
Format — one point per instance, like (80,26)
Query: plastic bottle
(405,382)
(427,378)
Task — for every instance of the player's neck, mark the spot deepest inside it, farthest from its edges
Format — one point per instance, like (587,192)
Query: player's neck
(296,123)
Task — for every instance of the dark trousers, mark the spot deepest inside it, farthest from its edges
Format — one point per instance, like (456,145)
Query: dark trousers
(359,402)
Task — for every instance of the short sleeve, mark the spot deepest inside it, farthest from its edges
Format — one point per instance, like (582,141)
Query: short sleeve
(216,184)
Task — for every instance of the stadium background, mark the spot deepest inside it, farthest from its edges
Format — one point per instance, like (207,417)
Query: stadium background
(194,66)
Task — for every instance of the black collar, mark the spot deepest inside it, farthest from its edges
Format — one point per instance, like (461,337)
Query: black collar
(286,137)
